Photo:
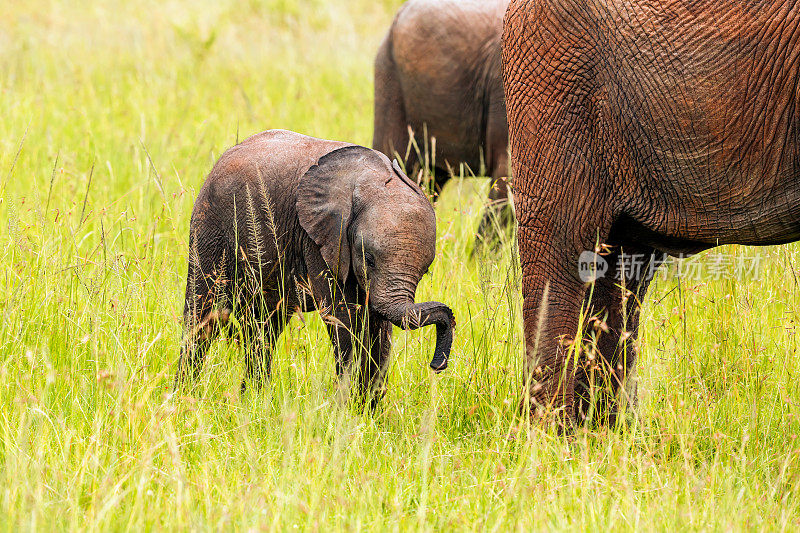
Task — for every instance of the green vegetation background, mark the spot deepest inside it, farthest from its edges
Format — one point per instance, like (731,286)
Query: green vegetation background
(111,114)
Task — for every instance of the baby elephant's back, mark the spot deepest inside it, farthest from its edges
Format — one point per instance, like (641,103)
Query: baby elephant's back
(247,203)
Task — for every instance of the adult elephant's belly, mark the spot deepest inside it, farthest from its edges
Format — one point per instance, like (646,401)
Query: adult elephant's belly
(457,132)
(695,175)
(704,154)
(687,216)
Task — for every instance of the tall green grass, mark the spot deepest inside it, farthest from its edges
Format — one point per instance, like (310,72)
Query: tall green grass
(112,114)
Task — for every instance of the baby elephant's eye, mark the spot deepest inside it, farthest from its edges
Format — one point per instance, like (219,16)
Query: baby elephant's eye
(369,260)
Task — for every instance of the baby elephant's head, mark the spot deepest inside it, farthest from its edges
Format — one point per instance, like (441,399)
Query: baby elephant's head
(373,223)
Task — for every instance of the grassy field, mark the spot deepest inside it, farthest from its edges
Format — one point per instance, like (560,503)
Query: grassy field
(111,116)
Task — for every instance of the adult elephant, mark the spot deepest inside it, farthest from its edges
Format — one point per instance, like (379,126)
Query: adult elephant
(438,73)
(653,127)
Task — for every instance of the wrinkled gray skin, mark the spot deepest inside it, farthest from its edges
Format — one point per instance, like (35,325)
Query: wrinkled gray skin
(439,69)
(287,223)
(653,127)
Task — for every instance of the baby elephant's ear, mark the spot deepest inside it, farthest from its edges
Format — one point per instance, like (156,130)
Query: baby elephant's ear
(406,179)
(325,203)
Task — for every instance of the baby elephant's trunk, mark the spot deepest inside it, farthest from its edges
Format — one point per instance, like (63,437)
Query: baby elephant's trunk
(413,316)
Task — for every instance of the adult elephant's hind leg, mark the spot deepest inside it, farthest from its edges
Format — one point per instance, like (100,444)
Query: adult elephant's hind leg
(551,308)
(498,215)
(564,209)
(565,180)
(390,133)
(613,304)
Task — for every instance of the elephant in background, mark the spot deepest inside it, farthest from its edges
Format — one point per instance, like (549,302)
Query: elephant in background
(438,73)
(287,223)
(647,128)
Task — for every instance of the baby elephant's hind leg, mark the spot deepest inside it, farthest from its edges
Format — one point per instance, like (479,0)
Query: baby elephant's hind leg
(259,339)
(198,337)
(206,309)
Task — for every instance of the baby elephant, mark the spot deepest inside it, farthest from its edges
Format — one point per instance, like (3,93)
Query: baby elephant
(288,223)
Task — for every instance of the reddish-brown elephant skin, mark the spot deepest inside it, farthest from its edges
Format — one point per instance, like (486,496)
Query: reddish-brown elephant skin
(655,127)
(438,72)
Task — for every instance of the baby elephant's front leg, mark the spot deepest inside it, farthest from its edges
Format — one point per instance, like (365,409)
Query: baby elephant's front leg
(375,362)
(361,345)
(343,330)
